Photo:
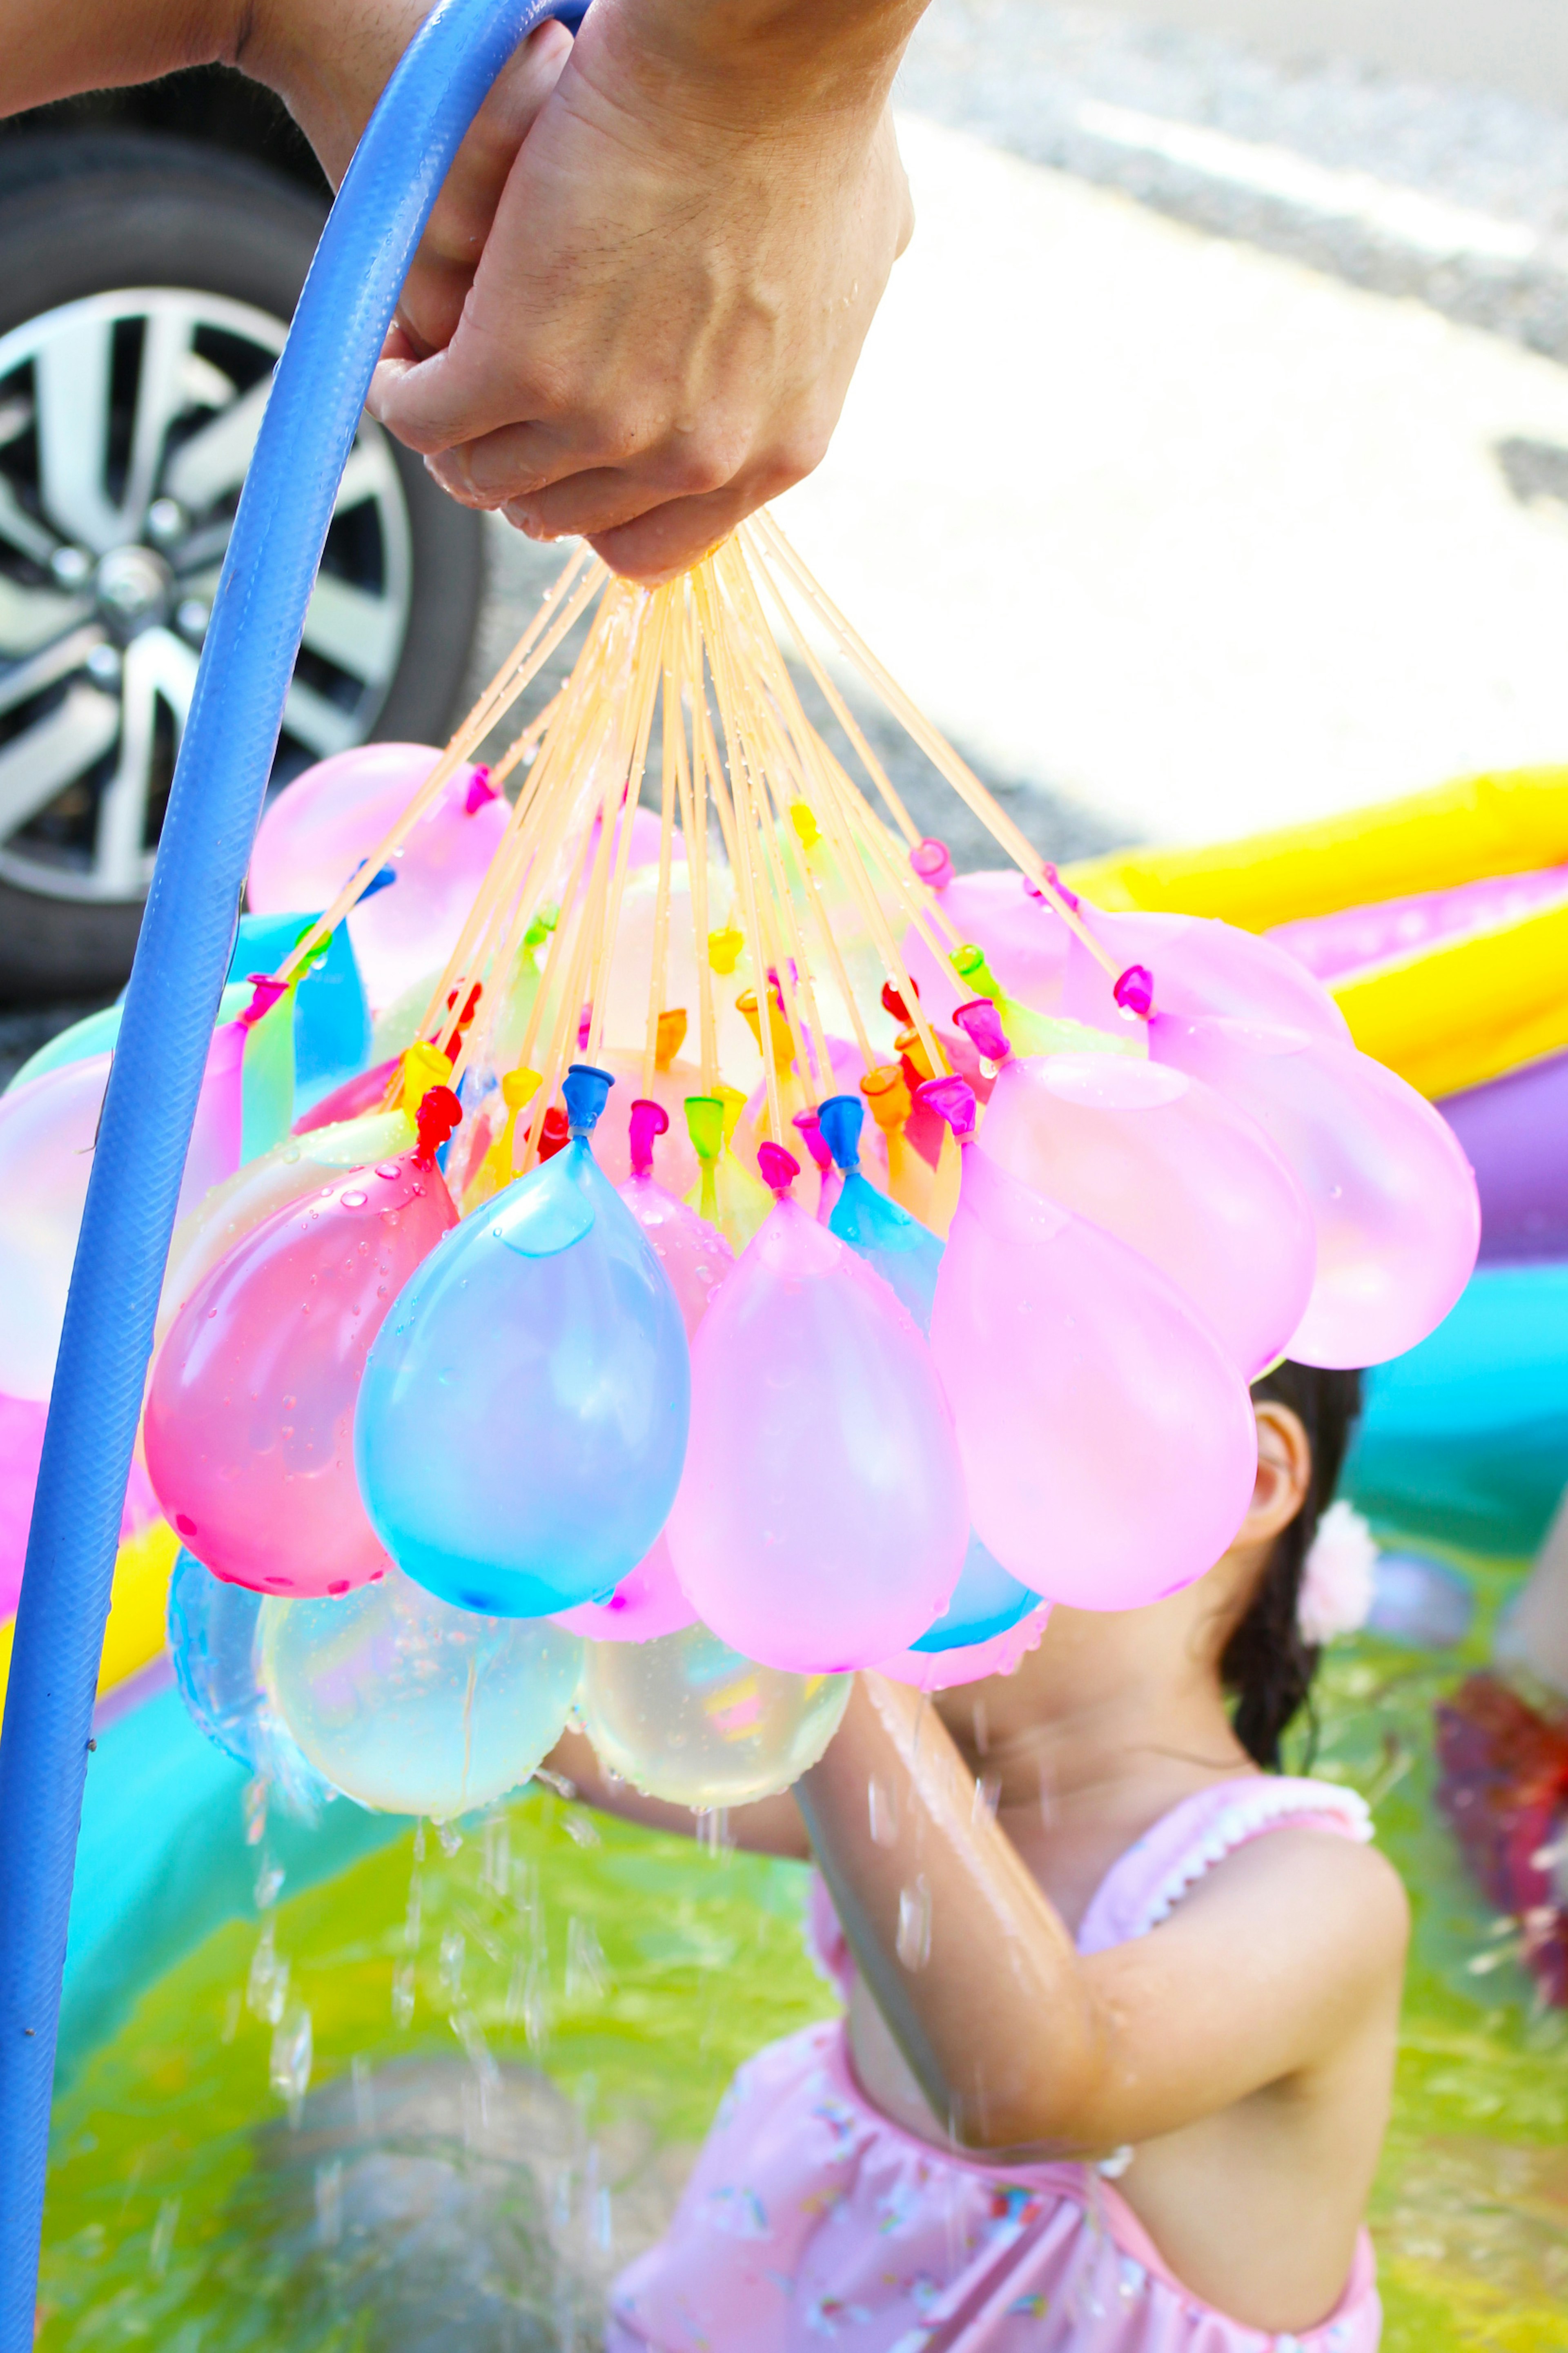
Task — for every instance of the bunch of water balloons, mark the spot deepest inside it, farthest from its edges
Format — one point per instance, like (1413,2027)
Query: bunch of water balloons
(540,1370)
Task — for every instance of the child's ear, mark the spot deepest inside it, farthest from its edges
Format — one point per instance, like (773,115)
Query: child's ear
(1284,1473)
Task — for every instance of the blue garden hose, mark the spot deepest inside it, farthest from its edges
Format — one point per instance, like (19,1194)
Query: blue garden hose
(226,757)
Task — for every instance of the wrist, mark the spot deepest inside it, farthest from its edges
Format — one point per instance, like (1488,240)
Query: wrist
(749,65)
(328,66)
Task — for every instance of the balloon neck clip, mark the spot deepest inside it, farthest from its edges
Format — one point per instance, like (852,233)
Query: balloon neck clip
(809,1122)
(1134,992)
(437,1117)
(840,1120)
(778,1168)
(932,862)
(894,1002)
(266,992)
(584,1090)
(1058,888)
(982,1025)
(953,1100)
(480,790)
(650,1121)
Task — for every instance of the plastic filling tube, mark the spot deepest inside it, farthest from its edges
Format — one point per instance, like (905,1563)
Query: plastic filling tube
(311,419)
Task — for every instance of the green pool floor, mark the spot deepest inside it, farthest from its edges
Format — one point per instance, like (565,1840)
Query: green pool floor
(514,2048)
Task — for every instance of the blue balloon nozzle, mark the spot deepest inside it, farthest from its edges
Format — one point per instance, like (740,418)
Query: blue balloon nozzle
(587,1090)
(839,1121)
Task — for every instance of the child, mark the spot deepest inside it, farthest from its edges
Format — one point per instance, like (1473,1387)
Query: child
(1122,2010)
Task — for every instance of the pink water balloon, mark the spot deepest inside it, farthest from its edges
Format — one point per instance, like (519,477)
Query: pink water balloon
(49,1128)
(1197,966)
(644,1606)
(334,816)
(821,1521)
(1392,1195)
(1106,1437)
(249,1418)
(938,1670)
(1025,940)
(1172,1167)
(693,1253)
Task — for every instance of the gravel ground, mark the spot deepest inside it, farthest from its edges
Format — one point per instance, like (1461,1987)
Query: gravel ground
(1036,80)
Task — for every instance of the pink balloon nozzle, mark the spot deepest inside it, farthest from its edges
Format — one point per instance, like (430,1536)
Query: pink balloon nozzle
(778,1167)
(266,993)
(480,790)
(1134,990)
(810,1128)
(932,863)
(980,1023)
(437,1117)
(953,1100)
(649,1120)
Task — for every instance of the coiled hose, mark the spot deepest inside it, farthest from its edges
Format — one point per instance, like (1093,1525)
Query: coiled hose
(188,937)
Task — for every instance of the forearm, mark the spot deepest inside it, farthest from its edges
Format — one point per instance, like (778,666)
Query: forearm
(988,2002)
(57,49)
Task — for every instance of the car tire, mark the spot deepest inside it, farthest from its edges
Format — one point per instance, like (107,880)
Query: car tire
(86,214)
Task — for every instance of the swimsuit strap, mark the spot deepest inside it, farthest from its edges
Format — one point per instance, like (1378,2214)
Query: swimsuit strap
(1144,1886)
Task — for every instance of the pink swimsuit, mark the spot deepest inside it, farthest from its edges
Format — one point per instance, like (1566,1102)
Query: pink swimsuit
(810,2216)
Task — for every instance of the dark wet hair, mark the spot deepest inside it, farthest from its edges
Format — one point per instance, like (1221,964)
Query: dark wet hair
(1266,1663)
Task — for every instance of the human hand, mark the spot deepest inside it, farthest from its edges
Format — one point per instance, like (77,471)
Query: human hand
(680,272)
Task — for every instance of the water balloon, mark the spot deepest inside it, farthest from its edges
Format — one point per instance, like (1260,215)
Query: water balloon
(643,1605)
(410,1706)
(1107,1438)
(821,1520)
(695,1256)
(905,1253)
(688,1719)
(250,1408)
(215,1650)
(1174,1169)
(1392,1196)
(1000,1654)
(522,1419)
(324,825)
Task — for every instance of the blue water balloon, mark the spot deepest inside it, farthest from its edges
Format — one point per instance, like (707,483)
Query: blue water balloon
(216,1649)
(985,1602)
(905,1253)
(522,1423)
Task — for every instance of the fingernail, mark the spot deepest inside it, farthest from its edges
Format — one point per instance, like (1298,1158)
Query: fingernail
(455,474)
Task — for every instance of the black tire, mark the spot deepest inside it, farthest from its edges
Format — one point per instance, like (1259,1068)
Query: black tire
(87,213)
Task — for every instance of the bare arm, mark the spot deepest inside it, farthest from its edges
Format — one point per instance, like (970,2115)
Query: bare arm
(1262,1973)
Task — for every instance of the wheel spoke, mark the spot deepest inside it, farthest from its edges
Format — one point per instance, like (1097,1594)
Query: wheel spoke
(34,767)
(31,618)
(212,461)
(161,394)
(46,667)
(159,668)
(363,634)
(71,372)
(319,725)
(23,531)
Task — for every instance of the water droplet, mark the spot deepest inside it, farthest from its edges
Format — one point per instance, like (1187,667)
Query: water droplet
(355,1200)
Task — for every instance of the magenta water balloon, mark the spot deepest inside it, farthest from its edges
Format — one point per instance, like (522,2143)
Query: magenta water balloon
(1106,1434)
(1170,1167)
(334,816)
(821,1522)
(1199,966)
(644,1606)
(1392,1195)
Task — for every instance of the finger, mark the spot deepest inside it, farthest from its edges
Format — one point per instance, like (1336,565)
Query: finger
(667,540)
